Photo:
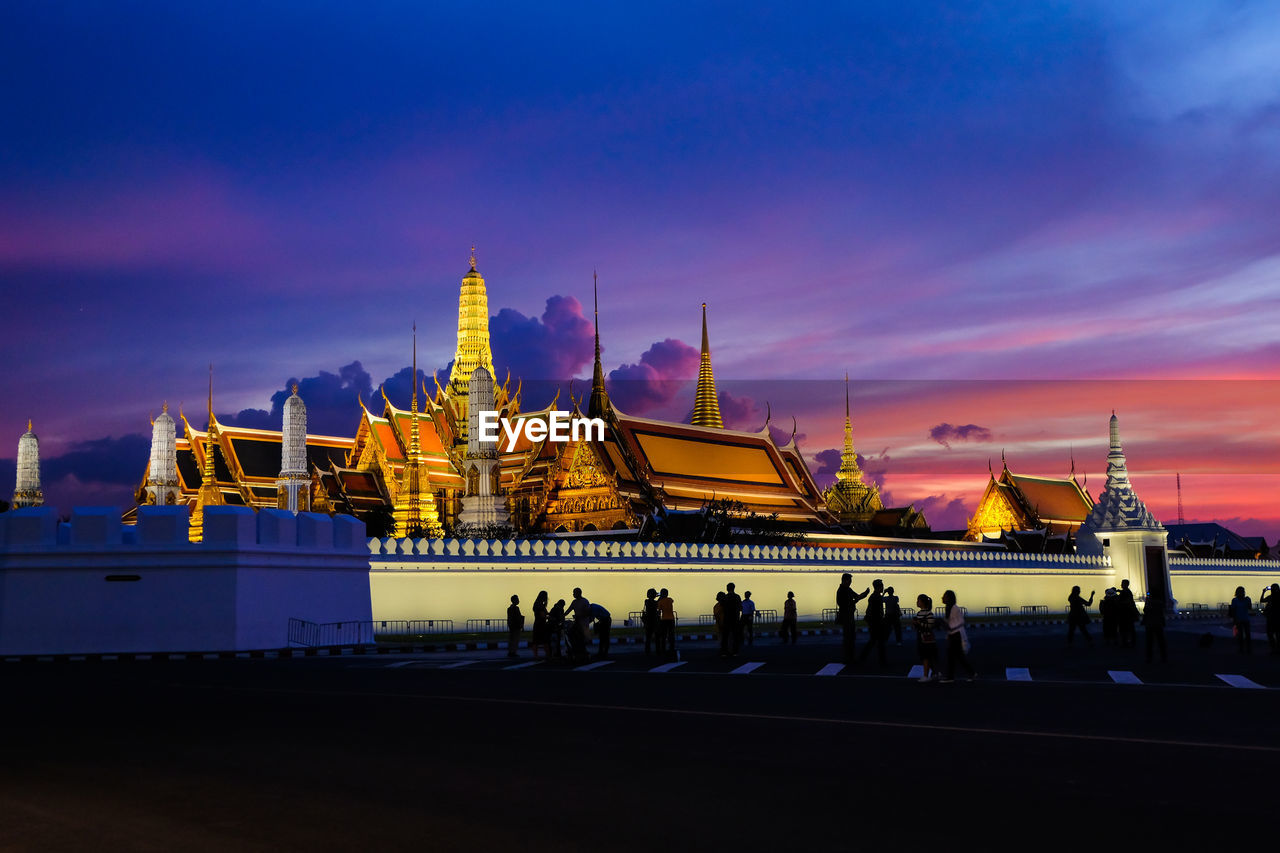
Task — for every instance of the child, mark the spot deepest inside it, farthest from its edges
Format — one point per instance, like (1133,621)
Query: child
(926,643)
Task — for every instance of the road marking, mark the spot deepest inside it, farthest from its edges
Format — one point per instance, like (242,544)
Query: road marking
(1240,681)
(830,669)
(524,665)
(1017,673)
(1123,676)
(747,668)
(399,664)
(459,663)
(917,671)
(587,667)
(667,667)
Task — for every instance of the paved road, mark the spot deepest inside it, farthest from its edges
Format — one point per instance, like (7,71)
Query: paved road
(419,752)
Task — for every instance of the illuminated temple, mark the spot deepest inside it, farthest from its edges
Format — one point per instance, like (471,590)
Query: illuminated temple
(1014,504)
(414,472)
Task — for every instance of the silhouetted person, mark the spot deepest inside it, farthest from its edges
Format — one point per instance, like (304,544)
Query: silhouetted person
(876,627)
(1153,625)
(717,616)
(731,622)
(748,618)
(555,627)
(667,628)
(892,616)
(1078,615)
(576,630)
(515,624)
(1107,608)
(1270,601)
(541,630)
(926,642)
(847,614)
(1241,608)
(1128,615)
(789,618)
(649,616)
(603,624)
(957,638)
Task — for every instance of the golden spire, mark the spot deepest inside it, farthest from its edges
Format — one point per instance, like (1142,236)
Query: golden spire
(473,257)
(414,508)
(599,396)
(849,471)
(209,494)
(473,343)
(706,407)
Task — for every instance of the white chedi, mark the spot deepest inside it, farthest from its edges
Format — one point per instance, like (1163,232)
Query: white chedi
(162,473)
(482,506)
(293,485)
(27,491)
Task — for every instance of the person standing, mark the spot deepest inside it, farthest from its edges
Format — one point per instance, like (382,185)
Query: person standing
(789,618)
(515,624)
(892,616)
(1153,623)
(731,622)
(667,624)
(580,608)
(555,628)
(541,630)
(926,643)
(1078,615)
(649,616)
(1108,610)
(1128,616)
(603,624)
(957,638)
(1241,608)
(847,614)
(1270,601)
(876,628)
(748,618)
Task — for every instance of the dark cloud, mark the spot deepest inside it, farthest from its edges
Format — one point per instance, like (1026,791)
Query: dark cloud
(827,463)
(663,371)
(332,401)
(945,433)
(101,460)
(944,513)
(555,347)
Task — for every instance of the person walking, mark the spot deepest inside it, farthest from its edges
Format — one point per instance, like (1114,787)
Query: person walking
(892,616)
(1108,610)
(748,618)
(515,624)
(603,624)
(649,616)
(717,616)
(580,608)
(1270,602)
(876,627)
(789,619)
(1241,608)
(731,623)
(1153,627)
(667,624)
(541,631)
(1078,615)
(957,638)
(847,614)
(926,643)
(1128,615)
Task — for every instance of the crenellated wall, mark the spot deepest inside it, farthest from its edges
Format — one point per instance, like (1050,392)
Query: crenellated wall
(1212,581)
(97,586)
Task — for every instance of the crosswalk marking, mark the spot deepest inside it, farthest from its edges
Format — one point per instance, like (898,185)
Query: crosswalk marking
(830,669)
(1240,681)
(917,671)
(399,664)
(1123,676)
(587,667)
(1017,673)
(524,665)
(747,668)
(459,663)
(667,667)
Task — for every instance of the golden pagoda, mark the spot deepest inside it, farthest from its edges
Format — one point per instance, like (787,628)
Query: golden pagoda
(473,345)
(414,507)
(849,497)
(706,406)
(210,494)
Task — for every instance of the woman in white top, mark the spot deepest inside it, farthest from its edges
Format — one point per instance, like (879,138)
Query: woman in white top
(957,639)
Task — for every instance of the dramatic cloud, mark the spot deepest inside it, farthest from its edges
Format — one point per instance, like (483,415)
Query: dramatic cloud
(663,371)
(944,513)
(556,347)
(945,433)
(332,401)
(826,464)
(96,472)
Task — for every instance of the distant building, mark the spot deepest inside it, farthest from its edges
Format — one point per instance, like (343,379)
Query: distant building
(1208,539)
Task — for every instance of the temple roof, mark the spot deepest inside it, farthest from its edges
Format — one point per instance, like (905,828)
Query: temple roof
(1051,499)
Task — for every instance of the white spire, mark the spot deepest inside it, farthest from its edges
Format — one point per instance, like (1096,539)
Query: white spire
(162,473)
(1119,507)
(27,491)
(294,477)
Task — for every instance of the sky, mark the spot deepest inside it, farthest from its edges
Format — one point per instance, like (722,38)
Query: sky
(1003,220)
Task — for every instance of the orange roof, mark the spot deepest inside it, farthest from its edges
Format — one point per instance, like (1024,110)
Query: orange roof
(1052,499)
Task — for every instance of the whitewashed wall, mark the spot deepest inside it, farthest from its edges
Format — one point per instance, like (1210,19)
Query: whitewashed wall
(1213,581)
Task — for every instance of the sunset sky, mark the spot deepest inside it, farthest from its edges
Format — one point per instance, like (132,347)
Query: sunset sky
(1004,220)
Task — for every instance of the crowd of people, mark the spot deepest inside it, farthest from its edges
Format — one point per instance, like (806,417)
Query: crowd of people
(560,632)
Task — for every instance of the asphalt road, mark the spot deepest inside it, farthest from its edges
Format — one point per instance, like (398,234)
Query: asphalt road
(454,751)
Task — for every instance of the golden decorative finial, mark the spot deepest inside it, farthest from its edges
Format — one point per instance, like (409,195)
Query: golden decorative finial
(165,407)
(29,425)
(473,257)
(295,387)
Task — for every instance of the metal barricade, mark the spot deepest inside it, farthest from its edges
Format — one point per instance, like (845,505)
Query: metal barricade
(486,626)
(312,634)
(706,619)
(997,610)
(403,630)
(1035,610)
(766,617)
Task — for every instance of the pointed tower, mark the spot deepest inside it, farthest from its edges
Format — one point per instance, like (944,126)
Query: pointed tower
(210,494)
(706,406)
(599,402)
(482,505)
(414,507)
(1122,528)
(293,489)
(27,491)
(849,497)
(162,474)
(473,342)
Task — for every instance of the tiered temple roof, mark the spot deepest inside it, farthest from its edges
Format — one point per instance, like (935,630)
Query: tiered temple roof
(1014,502)
(1119,507)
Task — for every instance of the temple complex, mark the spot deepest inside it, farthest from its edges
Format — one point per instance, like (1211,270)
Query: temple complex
(1019,502)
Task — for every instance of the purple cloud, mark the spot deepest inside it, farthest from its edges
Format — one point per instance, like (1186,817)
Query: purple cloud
(944,513)
(555,347)
(945,433)
(664,369)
